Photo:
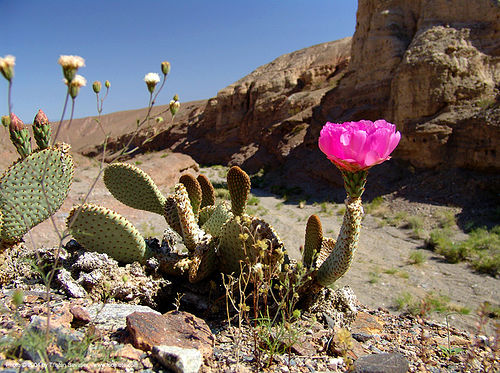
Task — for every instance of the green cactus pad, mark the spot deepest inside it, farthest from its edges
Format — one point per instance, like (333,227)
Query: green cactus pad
(249,238)
(313,240)
(231,246)
(238,184)
(205,214)
(100,229)
(23,200)
(204,261)
(171,215)
(327,247)
(219,216)
(133,187)
(194,191)
(341,253)
(208,192)
(191,233)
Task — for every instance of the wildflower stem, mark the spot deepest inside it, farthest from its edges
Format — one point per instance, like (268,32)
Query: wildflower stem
(62,118)
(9,98)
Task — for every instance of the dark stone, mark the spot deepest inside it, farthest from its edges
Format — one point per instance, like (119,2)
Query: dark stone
(362,337)
(381,363)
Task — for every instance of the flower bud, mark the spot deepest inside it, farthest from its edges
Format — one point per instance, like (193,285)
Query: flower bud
(107,84)
(165,67)
(7,66)
(41,130)
(19,136)
(5,121)
(70,65)
(174,107)
(75,85)
(16,124)
(96,86)
(176,97)
(151,80)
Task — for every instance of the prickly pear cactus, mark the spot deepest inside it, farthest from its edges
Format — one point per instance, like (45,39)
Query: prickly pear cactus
(100,229)
(208,192)
(24,201)
(133,187)
(245,238)
(194,192)
(341,253)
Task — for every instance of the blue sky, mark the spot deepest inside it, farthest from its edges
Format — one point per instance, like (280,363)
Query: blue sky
(210,44)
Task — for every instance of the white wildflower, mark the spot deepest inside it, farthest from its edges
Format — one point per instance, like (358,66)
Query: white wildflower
(71,62)
(75,84)
(7,66)
(152,78)
(70,65)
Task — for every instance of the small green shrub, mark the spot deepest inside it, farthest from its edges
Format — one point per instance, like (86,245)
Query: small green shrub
(372,206)
(482,248)
(446,219)
(374,277)
(417,257)
(431,302)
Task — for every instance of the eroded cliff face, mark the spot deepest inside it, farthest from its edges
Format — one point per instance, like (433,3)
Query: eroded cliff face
(262,117)
(432,67)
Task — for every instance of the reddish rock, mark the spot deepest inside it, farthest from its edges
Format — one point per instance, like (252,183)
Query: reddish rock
(366,323)
(80,314)
(129,352)
(174,328)
(304,348)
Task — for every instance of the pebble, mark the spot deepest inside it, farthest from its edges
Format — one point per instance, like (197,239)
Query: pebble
(381,363)
(180,360)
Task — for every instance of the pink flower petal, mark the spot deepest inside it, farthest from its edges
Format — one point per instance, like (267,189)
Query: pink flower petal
(359,145)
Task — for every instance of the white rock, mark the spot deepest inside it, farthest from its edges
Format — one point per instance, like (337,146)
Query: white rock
(178,359)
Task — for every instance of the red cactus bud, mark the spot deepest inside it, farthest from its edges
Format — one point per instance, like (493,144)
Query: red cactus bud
(40,118)
(16,124)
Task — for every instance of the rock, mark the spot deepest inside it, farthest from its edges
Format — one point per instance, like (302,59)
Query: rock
(303,347)
(338,308)
(180,329)
(69,284)
(112,316)
(103,278)
(64,338)
(381,363)
(365,326)
(129,352)
(80,314)
(434,73)
(178,359)
(60,317)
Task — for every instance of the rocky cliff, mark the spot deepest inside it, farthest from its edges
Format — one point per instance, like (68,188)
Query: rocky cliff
(262,117)
(433,68)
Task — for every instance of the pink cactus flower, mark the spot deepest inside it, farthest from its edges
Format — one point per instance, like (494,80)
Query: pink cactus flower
(357,146)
